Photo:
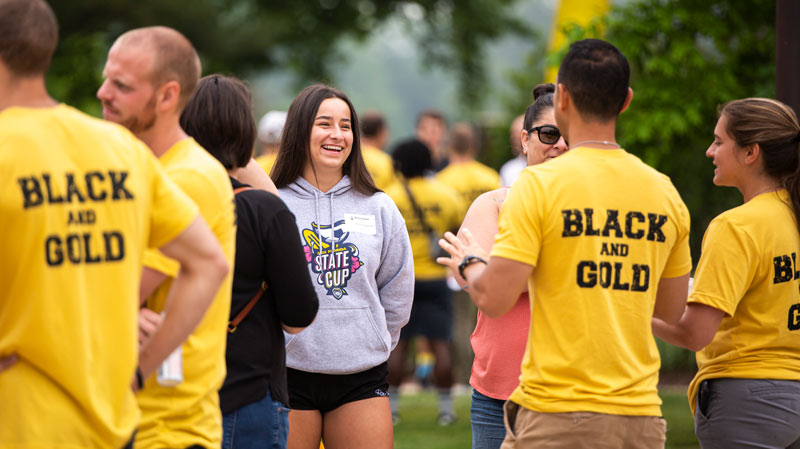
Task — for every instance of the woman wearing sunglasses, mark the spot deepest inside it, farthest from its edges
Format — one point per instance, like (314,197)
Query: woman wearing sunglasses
(499,344)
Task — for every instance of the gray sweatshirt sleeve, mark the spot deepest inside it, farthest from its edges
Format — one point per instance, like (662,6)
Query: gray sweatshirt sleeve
(395,277)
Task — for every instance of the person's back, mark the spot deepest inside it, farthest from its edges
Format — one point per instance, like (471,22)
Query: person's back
(467,176)
(442,210)
(379,165)
(374,136)
(608,227)
(81,195)
(469,179)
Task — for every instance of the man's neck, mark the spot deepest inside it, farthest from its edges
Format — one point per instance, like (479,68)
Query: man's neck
(23,92)
(455,158)
(590,131)
(367,142)
(162,136)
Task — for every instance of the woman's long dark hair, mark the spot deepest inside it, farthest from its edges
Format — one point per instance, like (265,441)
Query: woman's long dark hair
(295,148)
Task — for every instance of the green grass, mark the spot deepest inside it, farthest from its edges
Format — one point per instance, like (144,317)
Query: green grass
(418,428)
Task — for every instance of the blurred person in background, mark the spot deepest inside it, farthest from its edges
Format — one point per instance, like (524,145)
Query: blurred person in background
(499,343)
(374,137)
(80,200)
(463,173)
(270,128)
(431,129)
(271,286)
(430,208)
(511,169)
(359,256)
(149,76)
(743,315)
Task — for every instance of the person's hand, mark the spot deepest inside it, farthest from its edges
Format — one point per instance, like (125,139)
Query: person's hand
(8,361)
(149,321)
(458,248)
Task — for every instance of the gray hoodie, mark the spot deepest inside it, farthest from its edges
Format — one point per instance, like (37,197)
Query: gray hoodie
(363,271)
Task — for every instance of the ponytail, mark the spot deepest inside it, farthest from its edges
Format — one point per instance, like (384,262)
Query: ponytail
(792,182)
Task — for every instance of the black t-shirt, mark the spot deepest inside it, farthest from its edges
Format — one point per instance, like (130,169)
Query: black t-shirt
(268,249)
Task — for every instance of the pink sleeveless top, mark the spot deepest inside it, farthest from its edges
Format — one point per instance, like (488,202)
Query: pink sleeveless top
(499,344)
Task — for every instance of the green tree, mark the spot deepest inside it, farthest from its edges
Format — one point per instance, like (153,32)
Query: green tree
(687,58)
(242,36)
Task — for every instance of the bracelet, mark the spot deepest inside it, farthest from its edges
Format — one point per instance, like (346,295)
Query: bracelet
(139,379)
(467,261)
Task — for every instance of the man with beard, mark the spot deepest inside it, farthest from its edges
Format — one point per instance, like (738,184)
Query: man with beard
(149,77)
(80,199)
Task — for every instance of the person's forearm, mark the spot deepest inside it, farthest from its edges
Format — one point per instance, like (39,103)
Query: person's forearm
(676,334)
(481,293)
(191,294)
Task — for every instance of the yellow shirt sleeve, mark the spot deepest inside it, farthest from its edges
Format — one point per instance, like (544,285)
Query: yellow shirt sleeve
(519,234)
(726,268)
(173,211)
(680,258)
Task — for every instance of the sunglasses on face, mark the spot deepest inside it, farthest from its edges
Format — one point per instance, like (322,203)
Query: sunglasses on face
(548,134)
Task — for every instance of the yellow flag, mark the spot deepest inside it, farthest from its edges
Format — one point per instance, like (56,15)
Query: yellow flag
(580,12)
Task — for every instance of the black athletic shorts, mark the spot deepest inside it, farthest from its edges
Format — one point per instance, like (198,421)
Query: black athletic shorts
(431,312)
(326,392)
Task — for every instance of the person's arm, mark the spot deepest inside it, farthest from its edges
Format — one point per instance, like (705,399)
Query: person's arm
(481,219)
(287,274)
(395,278)
(671,298)
(203,267)
(694,330)
(493,287)
(254,175)
(151,279)
(8,361)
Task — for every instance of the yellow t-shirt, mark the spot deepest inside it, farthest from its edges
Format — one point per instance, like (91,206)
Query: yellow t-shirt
(442,209)
(470,179)
(80,199)
(601,228)
(379,165)
(748,269)
(266,161)
(189,413)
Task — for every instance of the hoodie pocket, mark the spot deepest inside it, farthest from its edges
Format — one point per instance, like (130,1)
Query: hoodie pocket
(340,339)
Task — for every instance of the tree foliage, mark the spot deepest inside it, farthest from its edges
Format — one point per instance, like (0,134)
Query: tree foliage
(240,36)
(687,58)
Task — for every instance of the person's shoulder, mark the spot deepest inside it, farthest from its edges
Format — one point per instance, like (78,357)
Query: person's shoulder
(438,186)
(490,200)
(483,168)
(262,200)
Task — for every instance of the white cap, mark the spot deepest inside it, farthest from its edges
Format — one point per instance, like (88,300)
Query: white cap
(271,126)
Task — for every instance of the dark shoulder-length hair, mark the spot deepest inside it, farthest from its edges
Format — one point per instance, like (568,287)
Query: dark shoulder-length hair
(219,117)
(295,149)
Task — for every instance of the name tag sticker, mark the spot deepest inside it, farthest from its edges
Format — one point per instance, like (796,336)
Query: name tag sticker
(364,224)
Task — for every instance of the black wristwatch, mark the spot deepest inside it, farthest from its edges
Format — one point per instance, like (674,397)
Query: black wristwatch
(467,261)
(139,379)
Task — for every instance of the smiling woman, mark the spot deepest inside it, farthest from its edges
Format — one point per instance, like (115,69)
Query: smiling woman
(742,314)
(358,254)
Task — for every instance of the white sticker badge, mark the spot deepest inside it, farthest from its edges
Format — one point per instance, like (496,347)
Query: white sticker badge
(364,224)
